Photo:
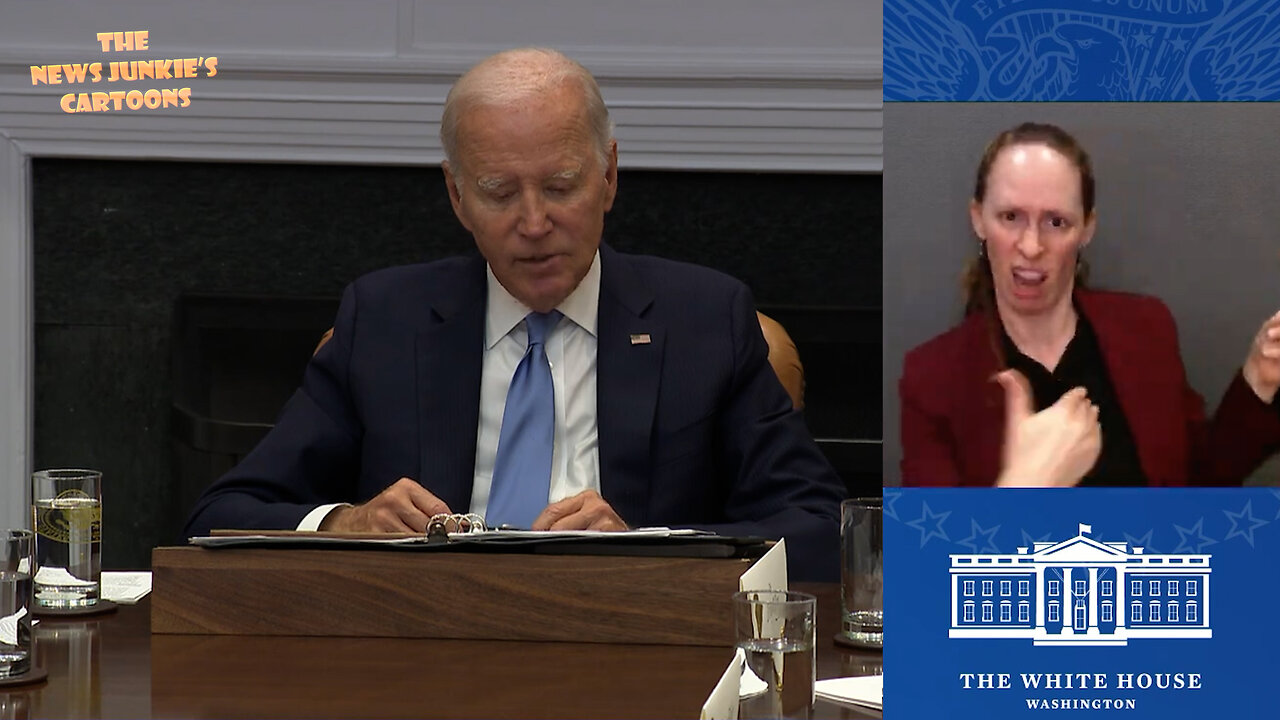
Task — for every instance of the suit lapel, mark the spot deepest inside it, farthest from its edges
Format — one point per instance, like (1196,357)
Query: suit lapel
(1129,381)
(628,368)
(986,406)
(450,358)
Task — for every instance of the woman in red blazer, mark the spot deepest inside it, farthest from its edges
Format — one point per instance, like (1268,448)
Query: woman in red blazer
(1048,383)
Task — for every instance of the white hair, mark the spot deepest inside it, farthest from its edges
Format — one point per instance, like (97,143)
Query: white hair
(513,75)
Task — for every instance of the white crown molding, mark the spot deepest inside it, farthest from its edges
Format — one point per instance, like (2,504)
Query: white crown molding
(795,110)
(652,64)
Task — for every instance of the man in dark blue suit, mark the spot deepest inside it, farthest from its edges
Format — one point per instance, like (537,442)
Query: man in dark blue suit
(645,381)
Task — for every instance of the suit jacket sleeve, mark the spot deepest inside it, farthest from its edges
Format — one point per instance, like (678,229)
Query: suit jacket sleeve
(928,446)
(782,485)
(1222,450)
(309,458)
(1243,433)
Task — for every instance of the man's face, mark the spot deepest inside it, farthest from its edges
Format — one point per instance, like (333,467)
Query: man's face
(529,186)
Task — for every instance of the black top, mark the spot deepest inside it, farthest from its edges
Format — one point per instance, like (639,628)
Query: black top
(1082,364)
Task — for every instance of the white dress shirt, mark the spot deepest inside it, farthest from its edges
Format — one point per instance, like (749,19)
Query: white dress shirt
(571,350)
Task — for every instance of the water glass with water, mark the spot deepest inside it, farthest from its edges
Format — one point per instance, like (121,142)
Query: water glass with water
(862,571)
(775,628)
(66,514)
(16,560)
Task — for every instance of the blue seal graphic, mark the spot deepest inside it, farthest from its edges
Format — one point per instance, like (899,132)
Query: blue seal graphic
(1081,50)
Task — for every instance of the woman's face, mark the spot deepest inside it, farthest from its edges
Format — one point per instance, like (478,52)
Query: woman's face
(1032,219)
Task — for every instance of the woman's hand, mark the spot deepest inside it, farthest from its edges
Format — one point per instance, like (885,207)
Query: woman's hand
(1262,368)
(1055,447)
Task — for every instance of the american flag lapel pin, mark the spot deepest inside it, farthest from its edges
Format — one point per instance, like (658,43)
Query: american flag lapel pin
(640,339)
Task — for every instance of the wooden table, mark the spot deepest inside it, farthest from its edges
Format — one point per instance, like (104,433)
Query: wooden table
(112,666)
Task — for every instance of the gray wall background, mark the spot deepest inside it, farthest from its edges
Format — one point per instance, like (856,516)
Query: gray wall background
(1188,211)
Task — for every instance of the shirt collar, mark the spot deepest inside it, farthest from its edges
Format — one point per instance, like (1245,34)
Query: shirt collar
(503,312)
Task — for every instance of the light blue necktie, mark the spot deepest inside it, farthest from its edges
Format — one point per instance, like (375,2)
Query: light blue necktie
(522,468)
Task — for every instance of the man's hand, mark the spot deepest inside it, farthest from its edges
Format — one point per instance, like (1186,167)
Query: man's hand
(1055,447)
(584,511)
(1262,366)
(406,506)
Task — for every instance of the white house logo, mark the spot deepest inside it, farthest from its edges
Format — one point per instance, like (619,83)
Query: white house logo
(1080,592)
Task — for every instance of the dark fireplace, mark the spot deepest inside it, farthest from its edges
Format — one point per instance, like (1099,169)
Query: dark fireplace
(177,303)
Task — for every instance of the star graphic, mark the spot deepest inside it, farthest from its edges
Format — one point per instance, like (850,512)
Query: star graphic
(1236,529)
(1179,44)
(927,515)
(1195,532)
(1276,492)
(1030,542)
(975,532)
(1143,542)
(1155,81)
(891,497)
(1142,38)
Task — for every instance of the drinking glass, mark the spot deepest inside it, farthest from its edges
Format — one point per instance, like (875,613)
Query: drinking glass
(775,630)
(66,509)
(862,571)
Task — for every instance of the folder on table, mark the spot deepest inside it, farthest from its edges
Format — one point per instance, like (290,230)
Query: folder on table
(643,542)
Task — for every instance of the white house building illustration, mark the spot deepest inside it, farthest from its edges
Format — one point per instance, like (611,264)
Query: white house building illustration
(1080,592)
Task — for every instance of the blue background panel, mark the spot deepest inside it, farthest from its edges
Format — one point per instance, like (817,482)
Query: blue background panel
(1238,528)
(1081,50)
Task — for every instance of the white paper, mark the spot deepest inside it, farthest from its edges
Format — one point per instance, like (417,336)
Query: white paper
(648,532)
(863,691)
(125,588)
(750,684)
(59,576)
(722,703)
(769,572)
(232,540)
(9,627)
(487,536)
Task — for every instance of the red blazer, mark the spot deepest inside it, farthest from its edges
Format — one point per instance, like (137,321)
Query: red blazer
(953,413)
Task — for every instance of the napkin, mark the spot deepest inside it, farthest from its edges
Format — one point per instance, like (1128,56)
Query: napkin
(722,704)
(9,627)
(864,691)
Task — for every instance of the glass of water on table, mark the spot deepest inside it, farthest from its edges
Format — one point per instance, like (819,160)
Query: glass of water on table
(775,628)
(15,599)
(66,509)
